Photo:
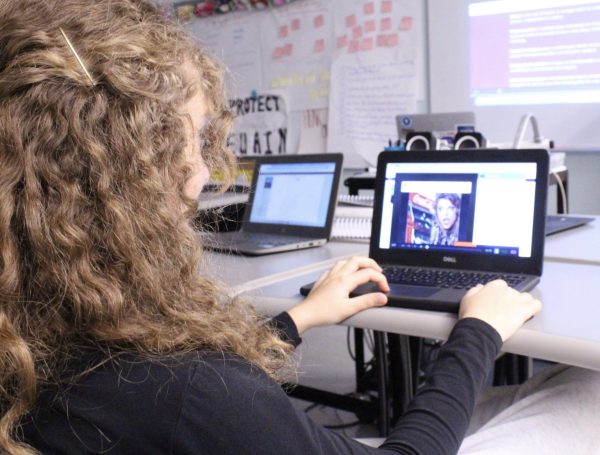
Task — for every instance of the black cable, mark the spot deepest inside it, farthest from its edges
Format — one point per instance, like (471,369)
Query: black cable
(311,407)
(348,345)
(370,341)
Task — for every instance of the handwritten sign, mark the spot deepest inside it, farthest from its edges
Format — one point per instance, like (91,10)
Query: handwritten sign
(260,126)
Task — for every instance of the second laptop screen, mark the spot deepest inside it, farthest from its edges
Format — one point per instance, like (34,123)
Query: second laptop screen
(293,193)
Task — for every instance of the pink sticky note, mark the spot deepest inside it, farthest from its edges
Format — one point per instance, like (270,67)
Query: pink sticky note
(381,41)
(341,41)
(385,24)
(283,31)
(295,24)
(386,6)
(319,21)
(287,49)
(350,21)
(353,46)
(406,23)
(277,53)
(366,44)
(392,40)
(370,26)
(356,32)
(369,8)
(319,46)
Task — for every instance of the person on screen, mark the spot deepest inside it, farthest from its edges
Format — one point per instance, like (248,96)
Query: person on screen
(114,337)
(447,219)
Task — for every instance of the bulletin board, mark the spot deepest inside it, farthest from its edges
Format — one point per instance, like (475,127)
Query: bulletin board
(341,70)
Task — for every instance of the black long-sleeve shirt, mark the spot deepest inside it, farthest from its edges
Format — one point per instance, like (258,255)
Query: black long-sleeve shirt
(217,403)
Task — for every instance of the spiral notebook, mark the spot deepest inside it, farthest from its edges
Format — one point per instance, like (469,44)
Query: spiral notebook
(352,222)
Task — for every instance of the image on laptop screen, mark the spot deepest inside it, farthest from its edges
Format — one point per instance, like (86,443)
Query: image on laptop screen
(481,208)
(296,194)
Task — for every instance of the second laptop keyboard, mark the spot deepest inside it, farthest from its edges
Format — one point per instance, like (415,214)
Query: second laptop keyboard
(455,279)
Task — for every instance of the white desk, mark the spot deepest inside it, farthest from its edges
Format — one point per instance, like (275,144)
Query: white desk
(244,273)
(567,330)
(580,245)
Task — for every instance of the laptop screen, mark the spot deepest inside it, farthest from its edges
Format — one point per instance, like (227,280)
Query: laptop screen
(296,194)
(483,208)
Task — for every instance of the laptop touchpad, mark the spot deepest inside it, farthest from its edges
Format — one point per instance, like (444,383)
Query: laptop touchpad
(398,290)
(412,291)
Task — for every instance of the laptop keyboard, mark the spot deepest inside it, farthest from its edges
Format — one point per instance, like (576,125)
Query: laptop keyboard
(445,278)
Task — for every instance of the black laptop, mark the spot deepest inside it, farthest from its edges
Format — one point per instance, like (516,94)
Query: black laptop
(291,205)
(560,223)
(445,221)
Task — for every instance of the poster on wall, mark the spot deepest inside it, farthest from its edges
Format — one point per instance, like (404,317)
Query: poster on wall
(374,75)
(297,43)
(260,126)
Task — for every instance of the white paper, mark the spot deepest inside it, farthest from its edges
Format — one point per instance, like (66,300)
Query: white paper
(297,45)
(374,76)
(234,38)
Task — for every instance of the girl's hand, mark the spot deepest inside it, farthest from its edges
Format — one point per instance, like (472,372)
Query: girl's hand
(329,302)
(502,307)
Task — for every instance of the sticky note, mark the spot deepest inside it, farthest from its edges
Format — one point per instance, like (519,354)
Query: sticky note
(386,6)
(287,49)
(366,44)
(370,26)
(369,8)
(310,78)
(283,31)
(406,23)
(319,46)
(353,47)
(350,21)
(381,41)
(341,41)
(295,25)
(319,21)
(356,32)
(385,24)
(392,40)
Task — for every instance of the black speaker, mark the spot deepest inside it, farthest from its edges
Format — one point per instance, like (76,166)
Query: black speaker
(421,140)
(469,140)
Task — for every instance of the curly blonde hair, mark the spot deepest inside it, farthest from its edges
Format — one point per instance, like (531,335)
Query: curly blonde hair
(94,245)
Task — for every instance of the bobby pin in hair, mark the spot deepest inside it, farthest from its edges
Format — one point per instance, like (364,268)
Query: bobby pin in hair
(89,76)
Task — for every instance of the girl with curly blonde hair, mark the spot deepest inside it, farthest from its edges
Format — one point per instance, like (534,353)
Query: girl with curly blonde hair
(112,339)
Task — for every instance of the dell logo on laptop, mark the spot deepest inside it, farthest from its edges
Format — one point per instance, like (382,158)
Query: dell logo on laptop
(449,259)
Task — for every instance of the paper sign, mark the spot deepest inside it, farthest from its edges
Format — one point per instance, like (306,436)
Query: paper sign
(260,125)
